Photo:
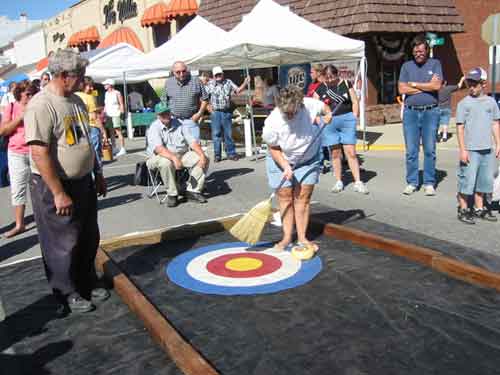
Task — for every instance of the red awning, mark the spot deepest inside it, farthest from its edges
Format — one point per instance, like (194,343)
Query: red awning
(154,15)
(181,8)
(89,35)
(42,64)
(122,35)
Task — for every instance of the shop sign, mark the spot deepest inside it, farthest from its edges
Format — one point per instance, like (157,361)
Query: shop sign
(295,75)
(126,9)
(58,37)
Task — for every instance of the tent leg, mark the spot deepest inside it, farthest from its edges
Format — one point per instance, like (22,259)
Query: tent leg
(250,110)
(128,116)
(362,109)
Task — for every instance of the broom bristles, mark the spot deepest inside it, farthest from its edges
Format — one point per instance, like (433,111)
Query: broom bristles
(250,227)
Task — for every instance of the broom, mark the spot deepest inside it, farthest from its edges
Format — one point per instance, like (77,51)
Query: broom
(250,227)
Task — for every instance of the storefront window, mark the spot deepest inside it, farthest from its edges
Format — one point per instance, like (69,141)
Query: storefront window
(161,33)
(183,21)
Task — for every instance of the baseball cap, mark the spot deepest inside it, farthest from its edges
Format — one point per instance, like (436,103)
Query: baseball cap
(161,108)
(217,70)
(109,81)
(477,74)
(66,60)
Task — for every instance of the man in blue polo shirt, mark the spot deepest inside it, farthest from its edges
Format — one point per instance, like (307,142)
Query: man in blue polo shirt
(420,80)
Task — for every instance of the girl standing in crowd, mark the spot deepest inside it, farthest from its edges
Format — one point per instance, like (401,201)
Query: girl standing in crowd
(342,131)
(294,154)
(12,126)
(317,79)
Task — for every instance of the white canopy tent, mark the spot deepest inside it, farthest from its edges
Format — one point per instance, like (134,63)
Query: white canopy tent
(272,35)
(104,63)
(195,39)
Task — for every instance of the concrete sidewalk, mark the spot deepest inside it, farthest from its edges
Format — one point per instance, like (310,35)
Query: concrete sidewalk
(390,138)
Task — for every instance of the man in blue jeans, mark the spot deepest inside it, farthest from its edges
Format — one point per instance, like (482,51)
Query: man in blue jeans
(420,80)
(220,90)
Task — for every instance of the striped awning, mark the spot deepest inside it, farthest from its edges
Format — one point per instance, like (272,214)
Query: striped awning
(181,8)
(155,15)
(122,35)
(88,35)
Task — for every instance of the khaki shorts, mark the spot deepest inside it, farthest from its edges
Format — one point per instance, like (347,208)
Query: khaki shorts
(114,122)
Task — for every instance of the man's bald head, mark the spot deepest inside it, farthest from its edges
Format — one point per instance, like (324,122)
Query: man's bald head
(180,70)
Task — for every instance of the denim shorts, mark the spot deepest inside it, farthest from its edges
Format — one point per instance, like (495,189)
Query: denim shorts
(307,174)
(444,116)
(477,176)
(341,130)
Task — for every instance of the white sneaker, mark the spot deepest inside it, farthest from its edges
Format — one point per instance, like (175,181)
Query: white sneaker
(338,187)
(409,189)
(429,190)
(360,187)
(121,152)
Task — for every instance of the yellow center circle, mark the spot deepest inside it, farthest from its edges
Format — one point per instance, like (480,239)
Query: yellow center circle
(243,264)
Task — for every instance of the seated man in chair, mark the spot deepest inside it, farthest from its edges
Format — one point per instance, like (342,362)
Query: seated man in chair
(173,146)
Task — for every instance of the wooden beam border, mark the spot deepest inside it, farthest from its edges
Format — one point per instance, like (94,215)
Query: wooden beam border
(430,258)
(185,356)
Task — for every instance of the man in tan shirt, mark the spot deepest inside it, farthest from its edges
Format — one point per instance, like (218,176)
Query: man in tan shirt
(63,190)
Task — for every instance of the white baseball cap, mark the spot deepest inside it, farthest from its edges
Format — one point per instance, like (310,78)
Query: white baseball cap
(217,70)
(109,81)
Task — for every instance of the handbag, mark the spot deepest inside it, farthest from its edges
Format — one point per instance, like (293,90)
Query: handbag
(141,174)
(4,139)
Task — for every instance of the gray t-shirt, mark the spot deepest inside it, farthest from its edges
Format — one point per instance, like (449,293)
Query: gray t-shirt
(411,72)
(445,95)
(477,115)
(176,138)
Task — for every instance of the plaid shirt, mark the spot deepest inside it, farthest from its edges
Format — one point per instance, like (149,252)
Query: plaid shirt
(220,94)
(184,98)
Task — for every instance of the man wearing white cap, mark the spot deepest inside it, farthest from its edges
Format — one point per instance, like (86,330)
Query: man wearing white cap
(220,90)
(114,108)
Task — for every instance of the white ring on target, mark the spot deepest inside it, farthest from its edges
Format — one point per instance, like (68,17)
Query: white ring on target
(197,268)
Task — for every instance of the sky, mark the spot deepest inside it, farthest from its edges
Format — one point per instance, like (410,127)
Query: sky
(36,9)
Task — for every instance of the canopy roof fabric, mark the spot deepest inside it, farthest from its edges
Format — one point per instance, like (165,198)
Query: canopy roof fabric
(258,42)
(155,14)
(197,36)
(181,8)
(88,35)
(103,62)
(122,35)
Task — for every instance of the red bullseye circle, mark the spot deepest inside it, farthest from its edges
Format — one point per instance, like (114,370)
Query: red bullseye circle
(267,265)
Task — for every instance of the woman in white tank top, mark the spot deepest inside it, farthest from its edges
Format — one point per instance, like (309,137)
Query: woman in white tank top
(113,105)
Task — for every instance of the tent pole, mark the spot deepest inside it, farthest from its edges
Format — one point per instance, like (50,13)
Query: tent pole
(128,117)
(362,112)
(250,109)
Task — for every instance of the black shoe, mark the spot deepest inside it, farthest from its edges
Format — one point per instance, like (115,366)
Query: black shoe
(195,197)
(99,295)
(172,201)
(234,157)
(485,214)
(217,159)
(78,304)
(465,216)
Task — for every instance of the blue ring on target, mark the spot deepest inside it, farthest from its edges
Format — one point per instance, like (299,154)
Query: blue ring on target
(191,270)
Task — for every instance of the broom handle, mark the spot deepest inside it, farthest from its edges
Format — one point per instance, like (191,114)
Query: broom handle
(307,149)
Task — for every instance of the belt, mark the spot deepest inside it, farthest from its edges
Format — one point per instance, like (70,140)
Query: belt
(421,107)
(181,117)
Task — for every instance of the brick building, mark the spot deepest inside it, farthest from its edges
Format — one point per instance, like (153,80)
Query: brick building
(387,27)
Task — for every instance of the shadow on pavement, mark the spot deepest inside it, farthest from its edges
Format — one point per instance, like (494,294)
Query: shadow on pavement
(119,181)
(216,182)
(18,246)
(28,364)
(118,201)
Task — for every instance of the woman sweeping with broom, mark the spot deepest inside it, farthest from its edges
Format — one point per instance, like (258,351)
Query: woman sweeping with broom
(293,162)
